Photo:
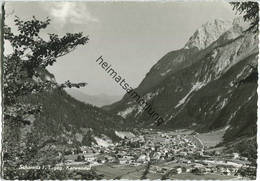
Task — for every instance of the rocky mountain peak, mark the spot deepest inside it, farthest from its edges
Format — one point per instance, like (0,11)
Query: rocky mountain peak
(207,34)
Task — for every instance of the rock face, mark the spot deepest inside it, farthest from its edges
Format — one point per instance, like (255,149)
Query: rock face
(209,84)
(207,34)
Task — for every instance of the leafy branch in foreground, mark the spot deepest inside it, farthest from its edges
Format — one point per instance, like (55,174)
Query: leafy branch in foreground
(25,74)
(25,67)
(250,11)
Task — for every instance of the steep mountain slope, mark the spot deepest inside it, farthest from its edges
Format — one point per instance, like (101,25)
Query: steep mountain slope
(182,58)
(209,84)
(62,113)
(64,122)
(61,127)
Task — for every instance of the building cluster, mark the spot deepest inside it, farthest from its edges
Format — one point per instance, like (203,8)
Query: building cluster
(183,152)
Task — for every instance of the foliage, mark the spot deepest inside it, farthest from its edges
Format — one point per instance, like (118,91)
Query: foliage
(24,75)
(50,174)
(248,172)
(31,55)
(248,148)
(250,11)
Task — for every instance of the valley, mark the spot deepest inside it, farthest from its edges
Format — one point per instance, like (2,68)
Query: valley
(155,154)
(206,93)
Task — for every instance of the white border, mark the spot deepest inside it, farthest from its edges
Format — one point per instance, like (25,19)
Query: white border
(258,88)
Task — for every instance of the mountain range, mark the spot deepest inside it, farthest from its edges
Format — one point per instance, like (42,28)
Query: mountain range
(97,100)
(209,84)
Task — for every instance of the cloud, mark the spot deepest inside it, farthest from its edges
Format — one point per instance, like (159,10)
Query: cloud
(71,12)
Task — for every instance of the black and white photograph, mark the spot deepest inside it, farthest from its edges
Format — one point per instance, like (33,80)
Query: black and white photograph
(129,90)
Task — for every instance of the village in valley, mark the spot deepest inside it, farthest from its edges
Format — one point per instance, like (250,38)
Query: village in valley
(172,154)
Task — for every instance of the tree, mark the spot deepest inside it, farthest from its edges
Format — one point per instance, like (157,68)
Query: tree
(250,11)
(24,71)
(31,55)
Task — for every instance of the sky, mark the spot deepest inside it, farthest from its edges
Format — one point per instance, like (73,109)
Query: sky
(131,36)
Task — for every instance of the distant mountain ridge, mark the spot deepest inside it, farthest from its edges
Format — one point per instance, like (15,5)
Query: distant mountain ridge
(96,100)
